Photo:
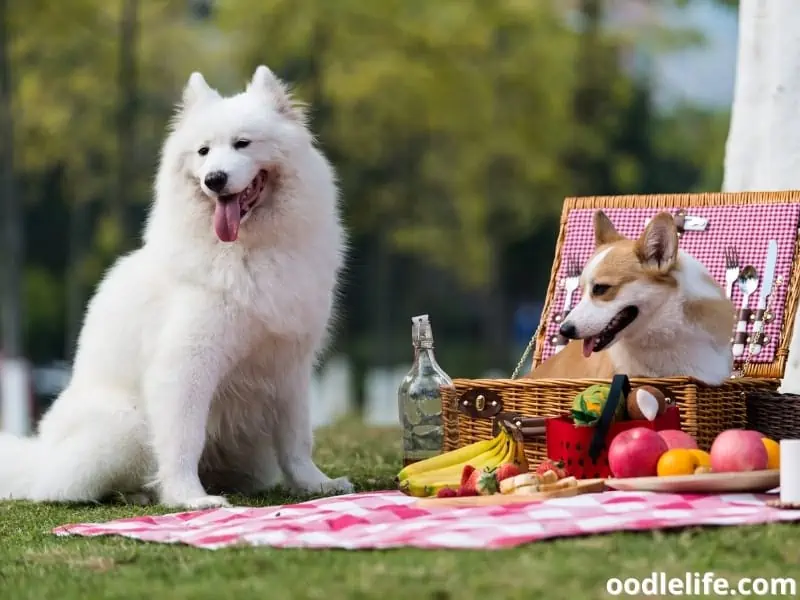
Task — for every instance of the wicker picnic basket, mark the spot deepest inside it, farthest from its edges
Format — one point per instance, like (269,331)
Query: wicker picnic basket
(775,415)
(473,406)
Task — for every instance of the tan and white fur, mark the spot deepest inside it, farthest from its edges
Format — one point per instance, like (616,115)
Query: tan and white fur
(193,366)
(683,321)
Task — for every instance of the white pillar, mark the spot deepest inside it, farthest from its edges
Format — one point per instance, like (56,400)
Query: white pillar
(15,397)
(762,152)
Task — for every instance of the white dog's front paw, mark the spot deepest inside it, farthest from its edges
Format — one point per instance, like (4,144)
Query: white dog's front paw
(340,485)
(199,503)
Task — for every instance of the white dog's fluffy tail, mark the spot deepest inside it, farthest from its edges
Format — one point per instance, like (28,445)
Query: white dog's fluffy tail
(19,465)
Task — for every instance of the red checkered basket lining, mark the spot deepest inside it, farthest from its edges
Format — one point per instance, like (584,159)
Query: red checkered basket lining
(746,228)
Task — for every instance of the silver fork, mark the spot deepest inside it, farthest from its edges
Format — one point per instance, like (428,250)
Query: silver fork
(571,282)
(731,269)
(570,285)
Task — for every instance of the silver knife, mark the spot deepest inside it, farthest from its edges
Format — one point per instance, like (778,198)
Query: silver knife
(766,290)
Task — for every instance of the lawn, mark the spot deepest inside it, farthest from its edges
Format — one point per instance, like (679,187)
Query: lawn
(35,565)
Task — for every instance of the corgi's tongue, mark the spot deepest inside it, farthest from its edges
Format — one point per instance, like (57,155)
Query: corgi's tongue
(588,346)
(227,216)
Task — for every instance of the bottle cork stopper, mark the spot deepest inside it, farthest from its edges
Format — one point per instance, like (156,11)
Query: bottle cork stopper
(424,332)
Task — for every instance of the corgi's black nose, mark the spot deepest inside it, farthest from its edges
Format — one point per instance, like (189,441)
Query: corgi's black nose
(216,181)
(568,330)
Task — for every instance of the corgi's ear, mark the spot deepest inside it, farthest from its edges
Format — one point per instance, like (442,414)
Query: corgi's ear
(657,247)
(604,231)
(196,90)
(265,82)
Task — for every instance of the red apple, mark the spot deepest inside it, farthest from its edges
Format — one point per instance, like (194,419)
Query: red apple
(635,453)
(675,438)
(737,450)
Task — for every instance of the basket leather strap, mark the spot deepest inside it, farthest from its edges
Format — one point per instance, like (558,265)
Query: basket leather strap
(620,388)
(530,428)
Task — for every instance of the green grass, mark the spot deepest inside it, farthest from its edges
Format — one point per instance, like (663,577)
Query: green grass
(35,565)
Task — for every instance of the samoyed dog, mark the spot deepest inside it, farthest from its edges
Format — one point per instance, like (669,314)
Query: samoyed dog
(191,378)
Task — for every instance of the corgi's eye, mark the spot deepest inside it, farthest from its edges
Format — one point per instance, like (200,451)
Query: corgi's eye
(598,289)
(241,144)
(203,150)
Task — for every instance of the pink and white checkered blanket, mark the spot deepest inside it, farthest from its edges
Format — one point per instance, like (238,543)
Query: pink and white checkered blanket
(390,520)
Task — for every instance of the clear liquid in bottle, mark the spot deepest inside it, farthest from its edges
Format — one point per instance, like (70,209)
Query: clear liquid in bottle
(420,398)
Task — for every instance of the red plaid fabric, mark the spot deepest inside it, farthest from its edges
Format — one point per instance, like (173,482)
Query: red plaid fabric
(746,228)
(391,520)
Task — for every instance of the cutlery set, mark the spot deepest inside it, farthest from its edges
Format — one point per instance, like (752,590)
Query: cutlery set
(747,280)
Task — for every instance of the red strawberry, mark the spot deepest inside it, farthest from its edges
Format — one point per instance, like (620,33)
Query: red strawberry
(483,482)
(446,493)
(556,466)
(505,471)
(466,472)
(465,491)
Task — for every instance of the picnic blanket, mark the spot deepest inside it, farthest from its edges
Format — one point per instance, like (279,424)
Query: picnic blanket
(390,520)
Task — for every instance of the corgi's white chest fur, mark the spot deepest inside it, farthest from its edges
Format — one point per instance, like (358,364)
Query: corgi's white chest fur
(670,343)
(675,352)
(700,362)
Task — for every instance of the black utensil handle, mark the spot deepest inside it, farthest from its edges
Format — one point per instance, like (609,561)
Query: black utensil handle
(620,388)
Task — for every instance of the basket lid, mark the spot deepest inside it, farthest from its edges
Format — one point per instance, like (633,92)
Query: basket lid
(708,225)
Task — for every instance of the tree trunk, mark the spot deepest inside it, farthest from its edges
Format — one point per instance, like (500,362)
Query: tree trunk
(15,410)
(126,122)
(586,172)
(78,233)
(746,137)
(779,161)
(763,148)
(495,326)
(12,213)
(381,300)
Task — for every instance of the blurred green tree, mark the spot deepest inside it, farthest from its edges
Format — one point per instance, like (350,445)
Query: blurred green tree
(457,127)
(446,119)
(74,93)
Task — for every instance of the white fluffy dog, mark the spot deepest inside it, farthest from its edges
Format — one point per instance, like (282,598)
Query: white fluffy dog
(193,366)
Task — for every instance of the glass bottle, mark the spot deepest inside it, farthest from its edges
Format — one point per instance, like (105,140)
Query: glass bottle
(403,389)
(420,398)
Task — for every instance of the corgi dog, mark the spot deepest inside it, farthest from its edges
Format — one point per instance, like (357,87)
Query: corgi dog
(648,309)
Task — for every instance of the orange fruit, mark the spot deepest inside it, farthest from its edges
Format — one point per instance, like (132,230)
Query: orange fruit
(773,453)
(678,461)
(702,458)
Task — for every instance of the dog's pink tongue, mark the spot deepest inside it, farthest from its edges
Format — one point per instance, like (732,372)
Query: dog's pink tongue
(588,346)
(226,220)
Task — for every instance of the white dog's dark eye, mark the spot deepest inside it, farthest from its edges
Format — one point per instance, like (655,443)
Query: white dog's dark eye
(598,289)
(239,144)
(203,150)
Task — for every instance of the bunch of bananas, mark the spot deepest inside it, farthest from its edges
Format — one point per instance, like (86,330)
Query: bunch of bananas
(425,478)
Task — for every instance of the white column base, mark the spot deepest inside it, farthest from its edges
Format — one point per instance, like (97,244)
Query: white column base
(15,397)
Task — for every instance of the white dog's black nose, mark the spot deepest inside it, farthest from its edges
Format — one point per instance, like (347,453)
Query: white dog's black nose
(568,330)
(216,181)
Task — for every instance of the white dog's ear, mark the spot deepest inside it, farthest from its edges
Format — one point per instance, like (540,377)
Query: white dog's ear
(604,231)
(196,90)
(266,83)
(657,247)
